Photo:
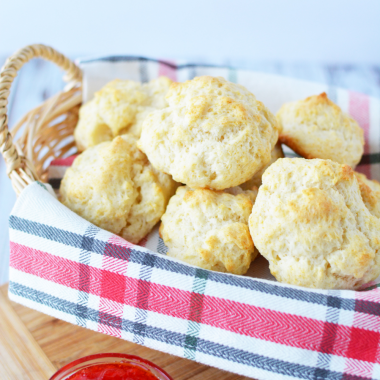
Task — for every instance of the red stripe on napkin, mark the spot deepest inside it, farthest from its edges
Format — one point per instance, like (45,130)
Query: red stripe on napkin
(68,161)
(167,71)
(117,290)
(358,108)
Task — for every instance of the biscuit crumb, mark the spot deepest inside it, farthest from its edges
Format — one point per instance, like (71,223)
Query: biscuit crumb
(209,228)
(119,107)
(317,128)
(113,186)
(310,222)
(214,134)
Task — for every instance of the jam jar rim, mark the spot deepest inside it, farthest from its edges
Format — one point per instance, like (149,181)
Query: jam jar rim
(132,358)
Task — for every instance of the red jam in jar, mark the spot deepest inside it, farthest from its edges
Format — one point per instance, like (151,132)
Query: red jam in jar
(113,371)
(111,367)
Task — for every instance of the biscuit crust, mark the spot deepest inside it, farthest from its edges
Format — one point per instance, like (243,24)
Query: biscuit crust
(214,134)
(370,191)
(310,222)
(317,128)
(113,186)
(209,229)
(276,153)
(119,107)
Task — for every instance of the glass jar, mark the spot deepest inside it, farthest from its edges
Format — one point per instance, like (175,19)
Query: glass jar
(106,359)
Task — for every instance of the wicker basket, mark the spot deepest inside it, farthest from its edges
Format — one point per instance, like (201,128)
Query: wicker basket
(64,266)
(46,132)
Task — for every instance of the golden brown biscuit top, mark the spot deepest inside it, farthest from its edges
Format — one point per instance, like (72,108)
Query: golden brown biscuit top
(209,228)
(213,134)
(370,191)
(317,128)
(310,222)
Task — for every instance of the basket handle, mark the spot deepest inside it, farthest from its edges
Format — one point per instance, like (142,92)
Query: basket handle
(19,170)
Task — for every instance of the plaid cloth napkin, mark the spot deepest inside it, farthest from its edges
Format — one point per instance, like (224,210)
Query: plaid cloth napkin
(66,267)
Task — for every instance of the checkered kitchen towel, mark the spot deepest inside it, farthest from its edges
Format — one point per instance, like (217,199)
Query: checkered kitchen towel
(64,266)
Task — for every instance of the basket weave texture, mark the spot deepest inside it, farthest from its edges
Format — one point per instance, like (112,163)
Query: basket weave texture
(44,133)
(62,265)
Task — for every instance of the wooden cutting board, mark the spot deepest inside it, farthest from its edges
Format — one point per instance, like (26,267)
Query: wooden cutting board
(34,345)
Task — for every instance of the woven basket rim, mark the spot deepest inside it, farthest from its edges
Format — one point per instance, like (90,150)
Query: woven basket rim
(20,156)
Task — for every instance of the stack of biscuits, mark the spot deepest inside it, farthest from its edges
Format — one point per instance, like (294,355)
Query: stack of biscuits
(205,158)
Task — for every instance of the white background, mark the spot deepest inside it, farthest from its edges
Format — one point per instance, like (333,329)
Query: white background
(329,31)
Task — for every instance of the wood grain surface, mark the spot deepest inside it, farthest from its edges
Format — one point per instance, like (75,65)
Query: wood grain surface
(34,345)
